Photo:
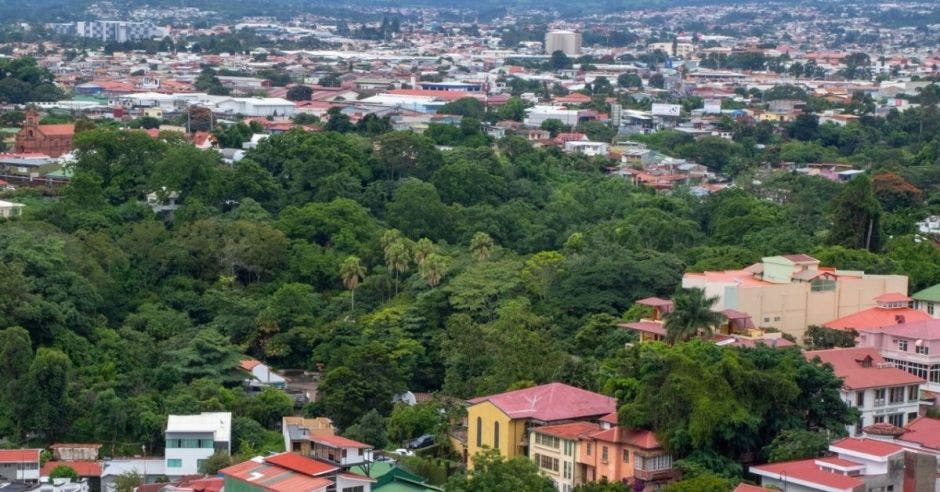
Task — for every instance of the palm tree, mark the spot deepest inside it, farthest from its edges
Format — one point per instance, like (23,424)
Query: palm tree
(433,269)
(692,315)
(397,258)
(423,248)
(480,246)
(352,272)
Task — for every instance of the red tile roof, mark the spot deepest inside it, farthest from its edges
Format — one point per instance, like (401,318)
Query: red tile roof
(878,317)
(751,488)
(19,455)
(84,468)
(847,364)
(654,327)
(339,442)
(638,438)
(551,402)
(57,130)
(918,330)
(924,431)
(249,364)
(871,447)
(272,478)
(611,418)
(807,472)
(893,297)
(572,430)
(836,462)
(301,464)
(439,95)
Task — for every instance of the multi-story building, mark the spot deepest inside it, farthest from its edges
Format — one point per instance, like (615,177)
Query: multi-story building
(191,439)
(113,31)
(297,432)
(890,309)
(880,391)
(913,347)
(291,472)
(554,449)
(503,421)
(568,42)
(790,293)
(928,301)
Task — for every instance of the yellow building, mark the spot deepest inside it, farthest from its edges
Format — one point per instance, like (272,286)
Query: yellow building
(790,293)
(502,421)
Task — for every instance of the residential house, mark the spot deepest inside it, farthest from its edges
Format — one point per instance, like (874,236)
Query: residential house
(261,376)
(10,209)
(291,472)
(19,464)
(928,301)
(890,309)
(633,457)
(554,449)
(875,387)
(191,439)
(913,347)
(791,292)
(856,465)
(587,148)
(83,458)
(298,430)
(502,421)
(339,450)
(389,477)
(150,469)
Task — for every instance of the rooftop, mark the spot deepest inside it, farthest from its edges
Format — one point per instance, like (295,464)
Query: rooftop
(931,294)
(870,447)
(862,367)
(218,423)
(19,455)
(551,402)
(572,430)
(924,431)
(808,473)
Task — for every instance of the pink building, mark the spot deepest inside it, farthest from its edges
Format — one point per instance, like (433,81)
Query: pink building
(912,346)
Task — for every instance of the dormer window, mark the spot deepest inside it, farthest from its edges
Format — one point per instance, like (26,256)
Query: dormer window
(902,345)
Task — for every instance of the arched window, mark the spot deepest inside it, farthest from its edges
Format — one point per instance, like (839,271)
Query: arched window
(479,432)
(496,435)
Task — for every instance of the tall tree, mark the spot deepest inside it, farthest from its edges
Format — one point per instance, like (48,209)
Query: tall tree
(692,315)
(481,245)
(856,216)
(352,272)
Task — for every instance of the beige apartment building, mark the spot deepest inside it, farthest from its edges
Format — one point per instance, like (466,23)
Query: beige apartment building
(792,292)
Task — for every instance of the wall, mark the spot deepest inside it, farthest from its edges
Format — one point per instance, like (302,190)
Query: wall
(510,432)
(20,471)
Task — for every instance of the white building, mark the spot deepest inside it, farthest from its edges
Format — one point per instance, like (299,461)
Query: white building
(586,147)
(568,42)
(191,439)
(255,106)
(19,464)
(10,209)
(536,115)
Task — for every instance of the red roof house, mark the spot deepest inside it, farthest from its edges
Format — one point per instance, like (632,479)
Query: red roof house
(551,402)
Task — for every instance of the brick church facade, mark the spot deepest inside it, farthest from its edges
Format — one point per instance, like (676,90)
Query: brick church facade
(51,140)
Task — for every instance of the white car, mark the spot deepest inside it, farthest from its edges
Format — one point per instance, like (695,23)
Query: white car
(404,452)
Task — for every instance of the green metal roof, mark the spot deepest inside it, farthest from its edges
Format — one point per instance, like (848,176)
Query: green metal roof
(928,294)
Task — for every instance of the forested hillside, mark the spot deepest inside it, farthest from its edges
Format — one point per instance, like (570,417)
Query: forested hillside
(391,265)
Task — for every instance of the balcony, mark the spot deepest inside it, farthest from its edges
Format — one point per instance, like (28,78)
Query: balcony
(656,475)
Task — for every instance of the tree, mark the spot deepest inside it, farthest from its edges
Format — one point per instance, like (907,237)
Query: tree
(797,444)
(657,80)
(397,259)
(481,245)
(366,381)
(629,80)
(299,93)
(412,421)
(338,121)
(465,106)
(433,269)
(370,429)
(701,483)
(894,192)
(127,482)
(330,80)
(692,315)
(64,471)
(352,272)
(820,337)
(856,216)
(553,126)
(493,472)
(215,462)
(805,127)
(540,272)
(44,404)
(209,82)
(559,61)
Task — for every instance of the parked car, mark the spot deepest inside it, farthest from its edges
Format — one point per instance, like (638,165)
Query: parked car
(421,442)
(404,452)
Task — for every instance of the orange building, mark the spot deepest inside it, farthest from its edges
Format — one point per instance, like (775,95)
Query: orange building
(51,140)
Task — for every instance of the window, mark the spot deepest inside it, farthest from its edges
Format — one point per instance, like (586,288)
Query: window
(589,446)
(656,463)
(548,463)
(911,416)
(913,393)
(860,399)
(626,455)
(199,464)
(896,419)
(776,318)
(879,419)
(822,285)
(930,308)
(902,345)
(495,435)
(567,470)
(357,488)
(479,432)
(922,349)
(896,395)
(174,463)
(604,454)
(172,443)
(880,397)
(569,448)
